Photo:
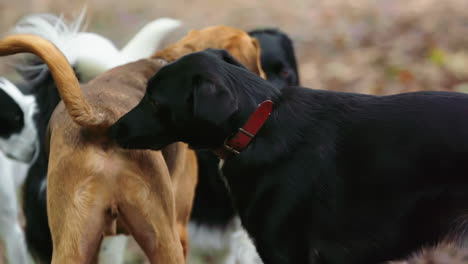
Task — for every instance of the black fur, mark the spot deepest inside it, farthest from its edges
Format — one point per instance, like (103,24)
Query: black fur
(331,177)
(277,57)
(212,205)
(11,116)
(38,237)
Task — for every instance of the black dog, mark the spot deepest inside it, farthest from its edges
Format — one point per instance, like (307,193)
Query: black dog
(331,177)
(278,57)
(212,208)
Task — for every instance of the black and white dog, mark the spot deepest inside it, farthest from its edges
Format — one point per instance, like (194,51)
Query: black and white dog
(215,230)
(90,54)
(17,133)
(330,177)
(18,145)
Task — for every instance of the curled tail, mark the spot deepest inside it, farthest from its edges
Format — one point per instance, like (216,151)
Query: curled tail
(64,76)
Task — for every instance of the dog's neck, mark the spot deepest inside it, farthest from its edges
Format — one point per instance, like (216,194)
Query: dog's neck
(236,143)
(232,148)
(283,133)
(298,113)
(289,116)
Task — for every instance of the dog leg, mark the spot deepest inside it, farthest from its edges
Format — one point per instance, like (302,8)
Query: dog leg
(183,234)
(113,249)
(184,180)
(10,230)
(149,215)
(77,216)
(158,239)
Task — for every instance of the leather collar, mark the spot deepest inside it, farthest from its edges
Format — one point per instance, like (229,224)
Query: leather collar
(235,144)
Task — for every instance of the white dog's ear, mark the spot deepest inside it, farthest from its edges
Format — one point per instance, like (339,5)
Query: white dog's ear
(212,102)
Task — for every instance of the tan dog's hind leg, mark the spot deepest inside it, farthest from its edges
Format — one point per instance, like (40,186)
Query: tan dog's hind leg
(183,234)
(148,212)
(76,216)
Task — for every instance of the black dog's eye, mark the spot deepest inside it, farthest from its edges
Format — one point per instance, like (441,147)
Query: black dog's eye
(282,70)
(285,72)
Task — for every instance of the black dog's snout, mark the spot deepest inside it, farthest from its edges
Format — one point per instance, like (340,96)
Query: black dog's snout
(118,131)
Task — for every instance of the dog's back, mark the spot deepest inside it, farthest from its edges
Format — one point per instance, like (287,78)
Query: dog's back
(136,188)
(113,93)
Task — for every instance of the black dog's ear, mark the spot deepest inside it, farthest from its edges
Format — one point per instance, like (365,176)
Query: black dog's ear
(225,56)
(212,102)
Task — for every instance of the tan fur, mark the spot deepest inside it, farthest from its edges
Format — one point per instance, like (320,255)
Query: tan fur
(92,183)
(243,47)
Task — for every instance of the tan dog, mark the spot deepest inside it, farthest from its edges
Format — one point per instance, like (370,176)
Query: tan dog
(242,46)
(93,185)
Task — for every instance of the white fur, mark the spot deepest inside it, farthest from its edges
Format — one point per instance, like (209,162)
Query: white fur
(231,245)
(148,39)
(96,55)
(12,174)
(112,249)
(55,30)
(22,145)
(91,55)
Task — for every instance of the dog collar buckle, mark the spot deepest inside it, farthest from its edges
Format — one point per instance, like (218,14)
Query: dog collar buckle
(232,149)
(243,131)
(229,148)
(240,140)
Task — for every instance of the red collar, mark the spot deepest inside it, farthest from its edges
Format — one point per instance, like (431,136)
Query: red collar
(236,143)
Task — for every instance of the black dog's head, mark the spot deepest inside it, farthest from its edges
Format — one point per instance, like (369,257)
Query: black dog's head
(277,57)
(194,100)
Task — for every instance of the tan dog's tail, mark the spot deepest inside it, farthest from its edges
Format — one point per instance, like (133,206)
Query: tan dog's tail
(64,76)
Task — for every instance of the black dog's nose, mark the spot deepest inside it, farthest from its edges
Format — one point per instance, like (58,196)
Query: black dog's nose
(118,131)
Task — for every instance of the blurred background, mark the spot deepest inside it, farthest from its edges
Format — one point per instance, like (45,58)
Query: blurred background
(366,46)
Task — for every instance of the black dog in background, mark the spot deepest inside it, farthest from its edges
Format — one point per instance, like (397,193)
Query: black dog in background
(335,178)
(278,57)
(212,205)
